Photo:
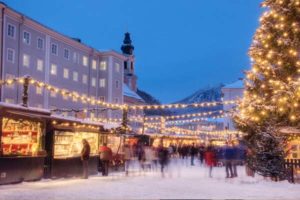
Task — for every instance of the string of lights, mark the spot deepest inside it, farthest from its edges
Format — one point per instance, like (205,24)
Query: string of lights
(91,100)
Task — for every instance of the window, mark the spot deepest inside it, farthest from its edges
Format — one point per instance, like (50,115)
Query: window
(39,90)
(125,65)
(75,76)
(39,65)
(53,69)
(102,98)
(116,100)
(11,30)
(40,43)
(93,83)
(117,84)
(66,54)
(66,73)
(85,61)
(26,37)
(53,94)
(117,67)
(103,65)
(94,65)
(84,79)
(8,100)
(54,49)
(26,60)
(75,57)
(11,55)
(102,82)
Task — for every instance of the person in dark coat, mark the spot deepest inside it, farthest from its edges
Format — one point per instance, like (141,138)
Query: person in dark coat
(85,156)
(105,154)
(193,153)
(236,159)
(210,159)
(201,153)
(229,157)
(163,158)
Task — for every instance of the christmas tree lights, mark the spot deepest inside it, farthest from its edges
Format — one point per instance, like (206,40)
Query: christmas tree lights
(272,88)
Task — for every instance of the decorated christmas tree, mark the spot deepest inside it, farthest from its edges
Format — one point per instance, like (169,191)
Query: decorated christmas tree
(272,87)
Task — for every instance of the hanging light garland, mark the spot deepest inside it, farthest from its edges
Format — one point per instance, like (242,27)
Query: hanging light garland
(92,101)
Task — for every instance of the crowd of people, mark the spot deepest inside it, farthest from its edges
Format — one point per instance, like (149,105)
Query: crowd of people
(153,158)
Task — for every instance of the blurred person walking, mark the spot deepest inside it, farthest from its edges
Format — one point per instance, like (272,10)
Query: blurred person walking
(229,156)
(193,153)
(85,156)
(163,158)
(210,159)
(201,153)
(128,155)
(236,159)
(105,154)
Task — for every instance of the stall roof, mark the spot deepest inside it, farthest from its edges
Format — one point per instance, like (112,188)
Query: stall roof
(289,130)
(22,108)
(111,125)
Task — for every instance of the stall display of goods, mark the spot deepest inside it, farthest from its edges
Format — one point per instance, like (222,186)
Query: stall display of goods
(69,144)
(218,142)
(115,143)
(20,137)
(293,149)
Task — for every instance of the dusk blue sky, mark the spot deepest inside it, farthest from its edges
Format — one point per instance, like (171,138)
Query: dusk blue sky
(180,45)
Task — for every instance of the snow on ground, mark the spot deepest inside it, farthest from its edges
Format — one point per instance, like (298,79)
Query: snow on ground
(181,182)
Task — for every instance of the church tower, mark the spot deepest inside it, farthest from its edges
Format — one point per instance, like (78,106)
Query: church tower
(127,48)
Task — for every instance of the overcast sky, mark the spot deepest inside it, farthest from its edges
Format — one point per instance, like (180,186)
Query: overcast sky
(180,45)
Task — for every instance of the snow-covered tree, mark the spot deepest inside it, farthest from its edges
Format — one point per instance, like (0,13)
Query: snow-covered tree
(272,87)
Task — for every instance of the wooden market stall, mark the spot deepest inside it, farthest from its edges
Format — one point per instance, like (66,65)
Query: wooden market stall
(64,144)
(22,135)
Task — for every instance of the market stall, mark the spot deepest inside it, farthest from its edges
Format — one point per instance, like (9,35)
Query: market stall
(173,140)
(116,143)
(22,152)
(64,144)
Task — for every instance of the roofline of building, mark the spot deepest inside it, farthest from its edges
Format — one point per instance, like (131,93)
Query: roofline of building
(20,17)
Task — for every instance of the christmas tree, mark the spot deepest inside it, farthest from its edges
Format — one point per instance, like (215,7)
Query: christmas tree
(272,87)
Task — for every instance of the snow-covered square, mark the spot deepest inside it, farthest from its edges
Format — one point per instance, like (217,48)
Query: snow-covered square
(181,181)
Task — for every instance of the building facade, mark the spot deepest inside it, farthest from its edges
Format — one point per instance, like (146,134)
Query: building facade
(231,92)
(30,48)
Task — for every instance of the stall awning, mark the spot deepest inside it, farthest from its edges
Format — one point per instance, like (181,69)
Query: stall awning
(29,115)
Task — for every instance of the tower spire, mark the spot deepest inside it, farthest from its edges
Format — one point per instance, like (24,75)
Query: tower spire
(127,48)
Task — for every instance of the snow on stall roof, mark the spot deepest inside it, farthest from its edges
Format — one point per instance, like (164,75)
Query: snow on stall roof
(60,117)
(111,125)
(105,125)
(128,92)
(17,106)
(289,130)
(235,85)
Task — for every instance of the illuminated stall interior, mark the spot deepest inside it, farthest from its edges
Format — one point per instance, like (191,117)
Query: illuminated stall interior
(21,137)
(22,153)
(64,144)
(69,144)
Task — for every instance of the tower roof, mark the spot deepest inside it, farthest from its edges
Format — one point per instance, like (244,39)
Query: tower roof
(127,47)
